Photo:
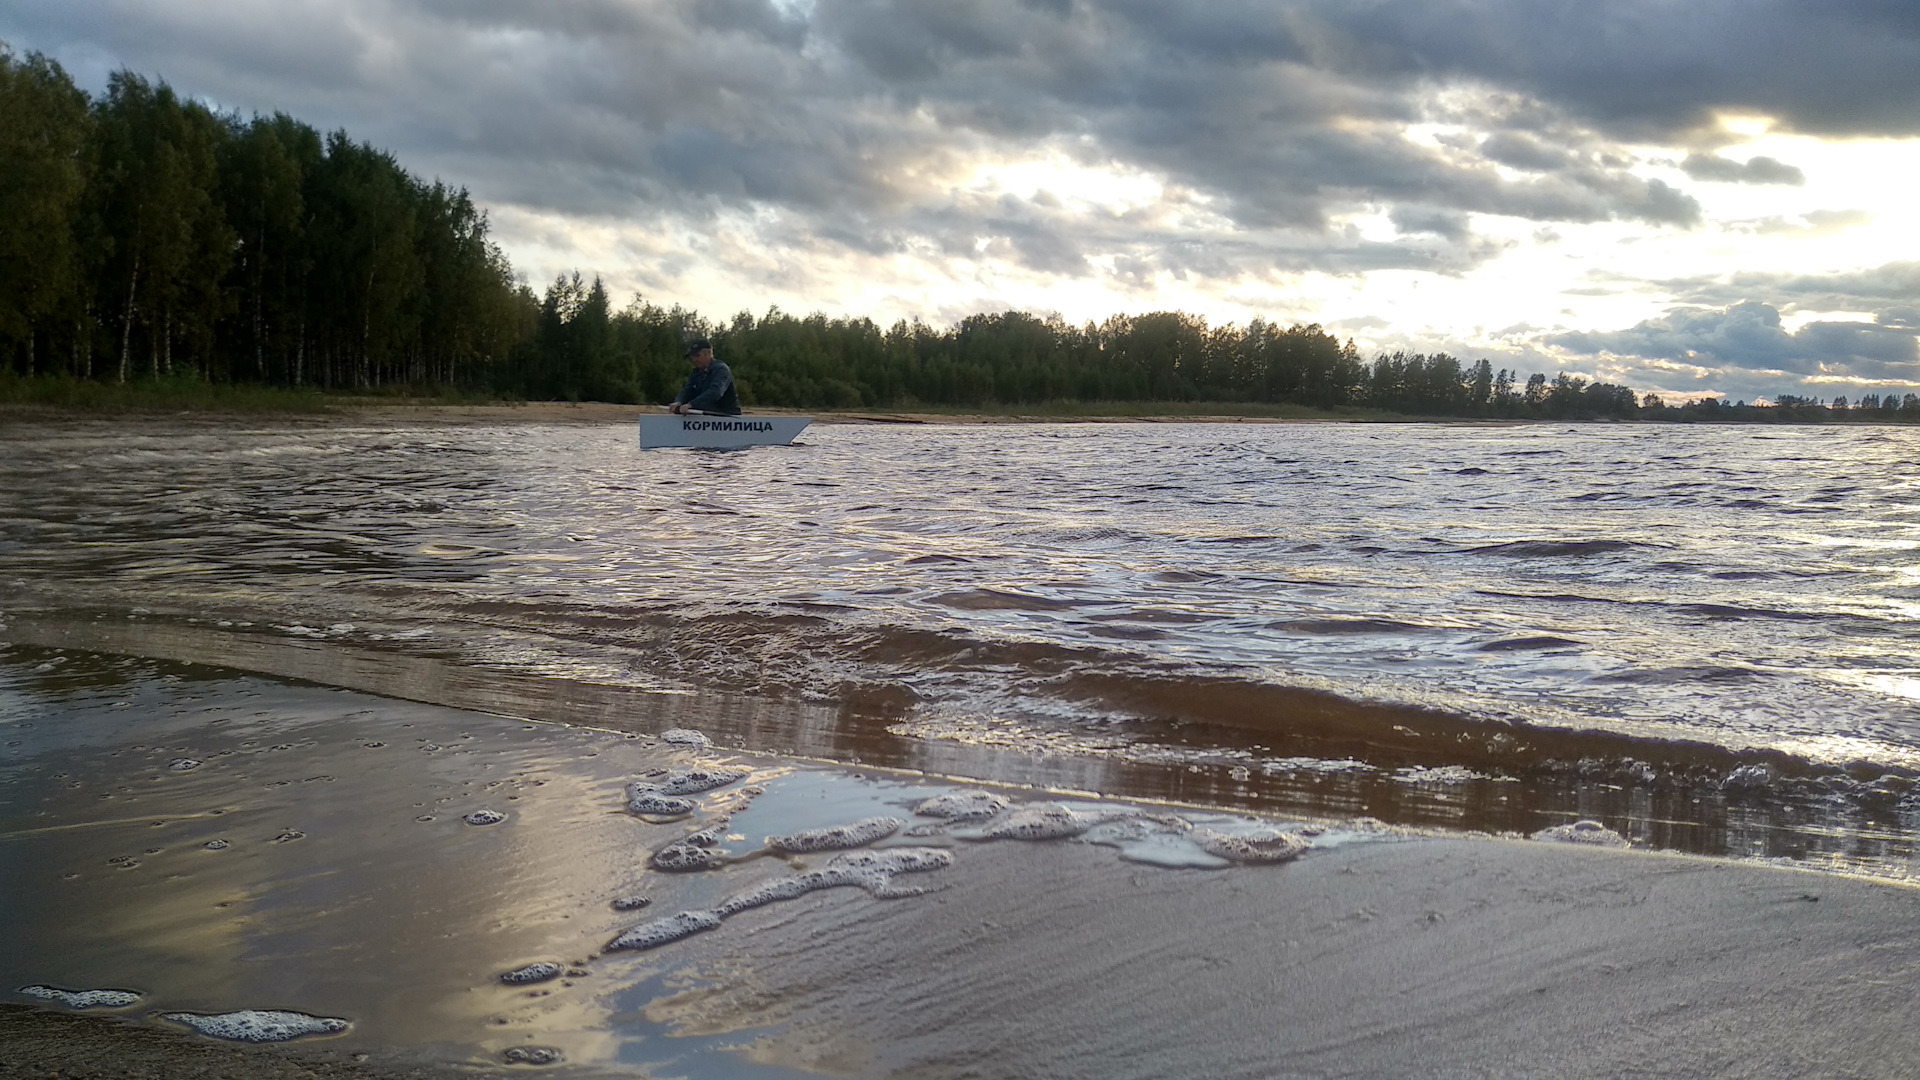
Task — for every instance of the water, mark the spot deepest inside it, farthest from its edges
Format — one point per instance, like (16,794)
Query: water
(1702,636)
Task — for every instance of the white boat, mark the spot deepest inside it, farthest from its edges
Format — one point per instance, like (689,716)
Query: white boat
(719,432)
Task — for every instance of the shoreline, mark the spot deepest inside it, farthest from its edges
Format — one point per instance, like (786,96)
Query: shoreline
(1377,952)
(593,412)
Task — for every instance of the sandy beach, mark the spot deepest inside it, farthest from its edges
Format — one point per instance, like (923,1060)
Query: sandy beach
(1379,952)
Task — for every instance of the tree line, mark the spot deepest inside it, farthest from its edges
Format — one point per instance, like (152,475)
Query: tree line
(143,236)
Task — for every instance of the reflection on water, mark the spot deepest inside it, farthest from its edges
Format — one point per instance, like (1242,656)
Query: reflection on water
(220,843)
(1701,635)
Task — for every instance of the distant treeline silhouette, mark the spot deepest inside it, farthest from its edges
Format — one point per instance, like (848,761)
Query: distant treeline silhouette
(144,236)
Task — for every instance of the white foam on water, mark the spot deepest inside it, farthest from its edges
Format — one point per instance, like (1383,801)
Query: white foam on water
(1583,832)
(485,817)
(838,837)
(258,1025)
(664,794)
(682,857)
(694,781)
(631,903)
(698,851)
(533,1055)
(767,892)
(1748,778)
(215,845)
(1256,846)
(649,801)
(1037,821)
(873,871)
(184,764)
(1155,840)
(685,737)
(966,805)
(664,930)
(82,999)
(539,971)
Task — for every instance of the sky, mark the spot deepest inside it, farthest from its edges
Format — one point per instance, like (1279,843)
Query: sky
(1688,197)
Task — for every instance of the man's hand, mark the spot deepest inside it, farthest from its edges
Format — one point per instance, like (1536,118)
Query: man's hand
(678,408)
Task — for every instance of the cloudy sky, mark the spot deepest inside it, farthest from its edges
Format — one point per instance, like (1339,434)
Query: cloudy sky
(1685,196)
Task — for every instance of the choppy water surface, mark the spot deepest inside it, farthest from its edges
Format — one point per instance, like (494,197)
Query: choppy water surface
(1705,636)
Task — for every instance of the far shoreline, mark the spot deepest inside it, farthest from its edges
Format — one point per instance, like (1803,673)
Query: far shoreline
(325,410)
(227,404)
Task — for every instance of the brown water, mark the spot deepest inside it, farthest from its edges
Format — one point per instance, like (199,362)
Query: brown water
(1703,637)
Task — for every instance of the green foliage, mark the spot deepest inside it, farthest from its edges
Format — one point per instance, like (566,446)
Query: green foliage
(43,143)
(166,239)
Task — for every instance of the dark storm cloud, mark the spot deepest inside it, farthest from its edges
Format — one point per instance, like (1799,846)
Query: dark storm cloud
(861,110)
(1750,336)
(1889,287)
(1758,170)
(1654,68)
(852,122)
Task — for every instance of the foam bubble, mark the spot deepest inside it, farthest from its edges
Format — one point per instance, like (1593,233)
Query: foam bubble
(1748,779)
(83,999)
(696,851)
(663,794)
(631,903)
(670,928)
(183,764)
(781,888)
(685,737)
(1037,821)
(258,1025)
(649,801)
(874,871)
(215,845)
(962,805)
(1263,846)
(1583,832)
(540,971)
(533,1055)
(485,817)
(683,856)
(694,781)
(839,837)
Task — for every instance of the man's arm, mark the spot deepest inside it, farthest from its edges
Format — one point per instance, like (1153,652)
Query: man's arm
(718,379)
(686,391)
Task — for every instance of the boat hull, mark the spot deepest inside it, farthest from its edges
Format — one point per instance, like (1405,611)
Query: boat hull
(719,432)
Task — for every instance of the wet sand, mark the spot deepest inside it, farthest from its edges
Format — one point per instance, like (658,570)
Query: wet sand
(1377,953)
(1421,958)
(39,1044)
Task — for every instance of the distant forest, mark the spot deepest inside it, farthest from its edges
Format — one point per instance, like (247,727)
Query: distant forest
(143,236)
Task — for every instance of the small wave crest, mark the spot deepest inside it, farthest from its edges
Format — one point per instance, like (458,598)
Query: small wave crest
(1001,600)
(1554,549)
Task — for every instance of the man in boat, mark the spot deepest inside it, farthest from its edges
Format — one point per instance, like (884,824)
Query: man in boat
(709,388)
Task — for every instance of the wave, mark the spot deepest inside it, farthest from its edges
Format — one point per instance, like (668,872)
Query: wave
(1554,549)
(1527,644)
(1348,626)
(1736,611)
(1001,600)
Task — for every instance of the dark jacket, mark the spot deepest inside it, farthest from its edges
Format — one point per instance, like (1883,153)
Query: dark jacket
(711,391)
